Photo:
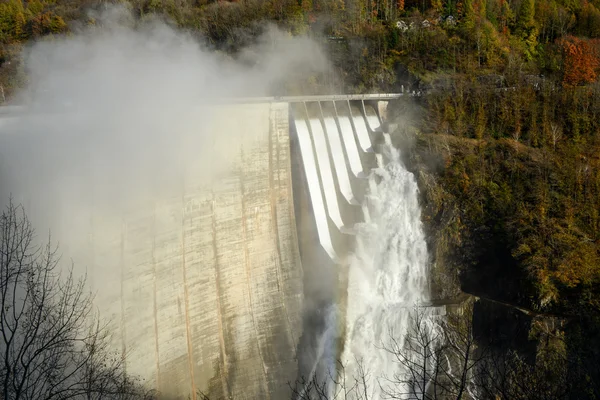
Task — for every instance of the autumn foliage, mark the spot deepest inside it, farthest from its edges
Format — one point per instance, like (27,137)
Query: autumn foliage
(581,60)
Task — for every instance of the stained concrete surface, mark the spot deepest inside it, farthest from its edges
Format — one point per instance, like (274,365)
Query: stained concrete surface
(204,288)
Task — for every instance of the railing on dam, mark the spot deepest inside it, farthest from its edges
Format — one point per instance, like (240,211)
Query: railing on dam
(317,98)
(12,110)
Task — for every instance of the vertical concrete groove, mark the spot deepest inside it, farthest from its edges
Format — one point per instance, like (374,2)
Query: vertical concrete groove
(332,161)
(354,128)
(123,319)
(154,303)
(249,275)
(218,295)
(90,271)
(275,121)
(273,201)
(186,301)
(320,172)
(290,200)
(275,227)
(353,158)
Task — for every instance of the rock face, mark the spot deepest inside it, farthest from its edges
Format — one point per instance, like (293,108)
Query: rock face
(204,287)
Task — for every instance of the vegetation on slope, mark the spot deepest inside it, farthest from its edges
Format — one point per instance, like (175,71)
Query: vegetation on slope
(509,133)
(522,171)
(378,40)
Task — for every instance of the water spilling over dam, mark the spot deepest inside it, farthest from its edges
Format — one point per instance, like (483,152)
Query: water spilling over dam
(213,285)
(388,273)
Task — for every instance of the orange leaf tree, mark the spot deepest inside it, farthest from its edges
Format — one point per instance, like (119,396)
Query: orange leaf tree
(581,61)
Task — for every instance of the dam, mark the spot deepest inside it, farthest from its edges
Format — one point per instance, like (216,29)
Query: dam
(204,282)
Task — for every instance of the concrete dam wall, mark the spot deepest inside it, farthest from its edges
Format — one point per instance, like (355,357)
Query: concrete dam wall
(205,285)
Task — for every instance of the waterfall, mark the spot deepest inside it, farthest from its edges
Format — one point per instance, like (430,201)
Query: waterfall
(387,272)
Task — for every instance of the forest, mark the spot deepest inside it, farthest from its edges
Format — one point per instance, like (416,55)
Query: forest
(506,143)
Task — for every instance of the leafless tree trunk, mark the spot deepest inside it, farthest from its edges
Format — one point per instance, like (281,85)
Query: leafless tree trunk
(336,386)
(437,359)
(556,134)
(440,358)
(420,354)
(462,351)
(51,343)
(508,376)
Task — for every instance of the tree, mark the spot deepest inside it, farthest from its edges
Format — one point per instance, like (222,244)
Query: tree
(11,20)
(506,17)
(336,385)
(437,358)
(580,61)
(525,16)
(507,376)
(440,357)
(421,356)
(589,21)
(52,346)
(556,134)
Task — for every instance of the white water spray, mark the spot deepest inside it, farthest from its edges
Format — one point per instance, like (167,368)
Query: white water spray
(388,272)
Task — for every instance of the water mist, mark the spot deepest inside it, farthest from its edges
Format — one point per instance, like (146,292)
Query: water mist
(387,273)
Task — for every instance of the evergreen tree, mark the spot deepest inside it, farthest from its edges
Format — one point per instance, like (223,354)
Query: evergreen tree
(526,16)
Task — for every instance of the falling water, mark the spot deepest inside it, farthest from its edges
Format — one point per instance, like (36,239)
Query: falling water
(388,272)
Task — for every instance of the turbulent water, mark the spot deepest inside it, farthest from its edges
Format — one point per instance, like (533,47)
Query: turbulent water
(388,273)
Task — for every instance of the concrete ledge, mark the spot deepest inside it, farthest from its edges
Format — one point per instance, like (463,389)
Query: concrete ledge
(11,110)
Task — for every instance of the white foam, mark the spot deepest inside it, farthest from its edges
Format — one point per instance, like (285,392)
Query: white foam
(389,269)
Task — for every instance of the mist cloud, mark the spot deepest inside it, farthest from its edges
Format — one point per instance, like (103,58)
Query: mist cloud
(117,111)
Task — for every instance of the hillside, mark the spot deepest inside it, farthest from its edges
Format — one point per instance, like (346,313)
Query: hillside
(376,44)
(506,144)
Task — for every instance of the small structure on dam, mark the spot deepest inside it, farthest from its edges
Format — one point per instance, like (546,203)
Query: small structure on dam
(205,285)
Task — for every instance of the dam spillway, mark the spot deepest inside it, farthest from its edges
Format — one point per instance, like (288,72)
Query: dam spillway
(203,284)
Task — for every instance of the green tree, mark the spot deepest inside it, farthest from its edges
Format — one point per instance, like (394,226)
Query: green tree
(11,20)
(526,15)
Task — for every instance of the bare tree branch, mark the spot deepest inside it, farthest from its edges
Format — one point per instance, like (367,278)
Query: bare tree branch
(52,345)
